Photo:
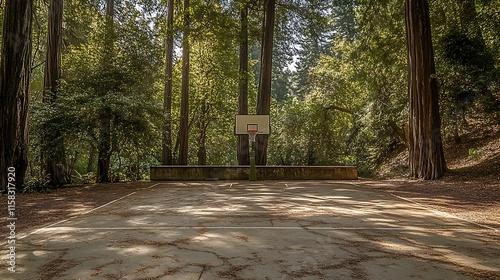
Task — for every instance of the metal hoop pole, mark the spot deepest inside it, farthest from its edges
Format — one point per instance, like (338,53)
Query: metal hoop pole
(252,176)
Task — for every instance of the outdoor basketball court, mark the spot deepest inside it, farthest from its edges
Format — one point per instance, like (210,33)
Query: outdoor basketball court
(259,230)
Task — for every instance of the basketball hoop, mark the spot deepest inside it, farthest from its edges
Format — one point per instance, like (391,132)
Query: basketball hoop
(252,133)
(251,125)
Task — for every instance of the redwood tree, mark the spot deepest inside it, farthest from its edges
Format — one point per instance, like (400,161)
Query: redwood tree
(426,157)
(53,146)
(184,126)
(15,69)
(264,95)
(104,157)
(243,155)
(167,94)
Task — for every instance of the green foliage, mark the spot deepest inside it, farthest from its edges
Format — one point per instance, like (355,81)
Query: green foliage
(475,154)
(307,133)
(214,89)
(462,50)
(127,87)
(467,60)
(360,89)
(339,81)
(37,184)
(86,178)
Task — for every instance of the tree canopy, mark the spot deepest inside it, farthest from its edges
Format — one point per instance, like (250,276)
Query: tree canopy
(338,91)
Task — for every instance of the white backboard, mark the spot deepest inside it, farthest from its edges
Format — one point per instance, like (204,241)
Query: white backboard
(243,123)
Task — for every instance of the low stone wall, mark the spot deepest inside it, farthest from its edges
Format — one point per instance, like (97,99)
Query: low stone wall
(207,172)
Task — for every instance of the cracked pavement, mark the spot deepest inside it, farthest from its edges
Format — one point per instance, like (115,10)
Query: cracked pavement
(259,230)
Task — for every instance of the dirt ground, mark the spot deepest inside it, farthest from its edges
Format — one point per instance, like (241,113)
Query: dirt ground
(470,188)
(34,210)
(472,200)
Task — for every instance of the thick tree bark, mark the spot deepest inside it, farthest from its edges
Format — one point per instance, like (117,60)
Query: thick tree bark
(243,150)
(110,9)
(52,140)
(184,126)
(166,158)
(104,157)
(426,157)
(264,95)
(202,150)
(54,45)
(15,69)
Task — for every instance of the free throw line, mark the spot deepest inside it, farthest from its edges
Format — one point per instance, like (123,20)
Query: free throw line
(420,229)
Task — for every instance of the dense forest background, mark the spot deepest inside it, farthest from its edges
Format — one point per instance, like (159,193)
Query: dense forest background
(339,81)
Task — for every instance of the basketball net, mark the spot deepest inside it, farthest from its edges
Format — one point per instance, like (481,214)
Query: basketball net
(252,134)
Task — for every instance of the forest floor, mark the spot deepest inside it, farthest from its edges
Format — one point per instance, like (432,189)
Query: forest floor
(469,190)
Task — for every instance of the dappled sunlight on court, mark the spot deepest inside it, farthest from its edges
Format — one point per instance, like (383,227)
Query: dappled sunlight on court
(289,230)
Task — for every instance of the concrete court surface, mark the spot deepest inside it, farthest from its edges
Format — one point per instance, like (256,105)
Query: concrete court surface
(259,230)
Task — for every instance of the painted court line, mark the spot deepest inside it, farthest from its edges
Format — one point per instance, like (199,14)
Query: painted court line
(91,210)
(445,213)
(225,211)
(52,227)
(419,229)
(429,208)
(150,187)
(111,202)
(69,219)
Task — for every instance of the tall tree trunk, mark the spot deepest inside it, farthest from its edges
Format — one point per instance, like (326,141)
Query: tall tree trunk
(90,164)
(468,19)
(110,10)
(52,140)
(166,158)
(202,135)
(15,69)
(243,154)
(264,96)
(184,126)
(426,155)
(202,146)
(104,157)
(52,71)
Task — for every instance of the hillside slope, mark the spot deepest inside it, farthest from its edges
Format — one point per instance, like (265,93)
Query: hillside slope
(470,188)
(476,156)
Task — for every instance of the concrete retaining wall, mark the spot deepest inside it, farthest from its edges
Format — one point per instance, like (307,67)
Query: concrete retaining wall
(204,172)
